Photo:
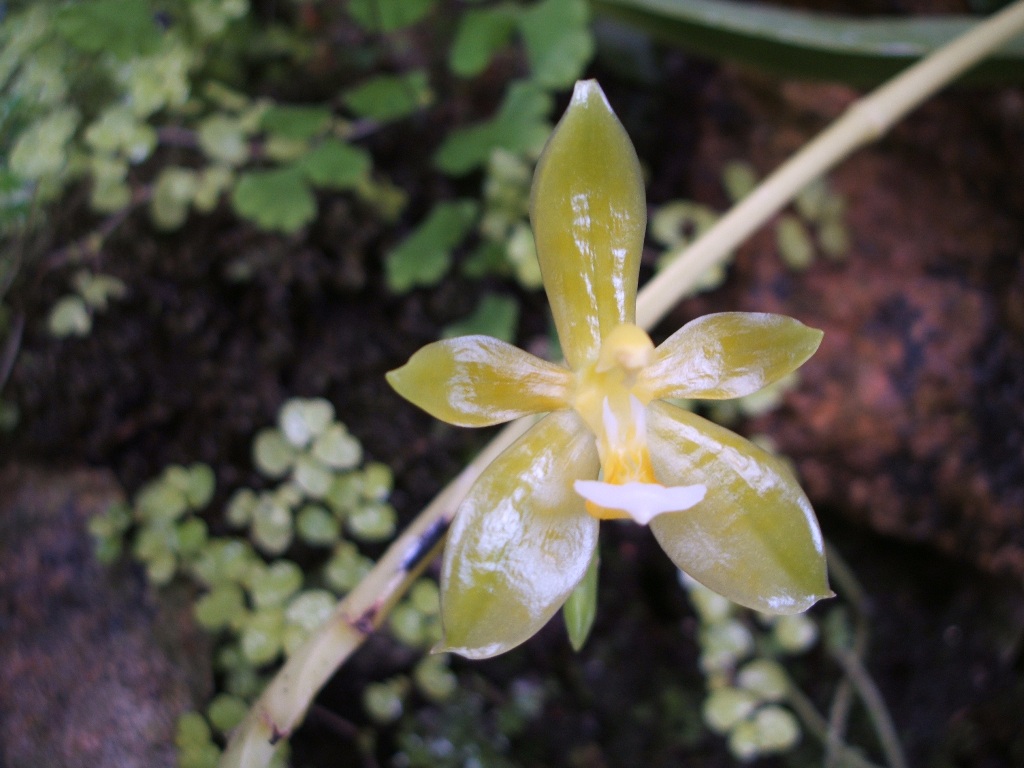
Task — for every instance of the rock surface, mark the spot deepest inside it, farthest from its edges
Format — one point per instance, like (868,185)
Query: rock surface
(910,418)
(91,674)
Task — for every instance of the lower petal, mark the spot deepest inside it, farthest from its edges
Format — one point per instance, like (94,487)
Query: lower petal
(521,540)
(754,538)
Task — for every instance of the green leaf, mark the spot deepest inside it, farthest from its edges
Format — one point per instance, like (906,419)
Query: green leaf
(191,535)
(200,486)
(378,480)
(97,290)
(222,140)
(495,316)
(312,476)
(725,707)
(263,636)
(856,50)
(119,130)
(240,507)
(273,453)
(481,34)
(434,679)
(794,243)
(335,165)
(389,97)
(373,522)
(310,609)
(346,567)
(226,711)
(558,41)
(123,28)
(220,607)
(41,150)
(520,126)
(69,317)
(271,526)
(388,15)
(275,200)
(275,584)
(173,192)
(581,607)
(337,448)
(302,419)
(316,526)
(425,255)
(295,122)
(159,500)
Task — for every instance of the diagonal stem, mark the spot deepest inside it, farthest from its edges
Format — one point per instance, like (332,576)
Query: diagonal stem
(284,702)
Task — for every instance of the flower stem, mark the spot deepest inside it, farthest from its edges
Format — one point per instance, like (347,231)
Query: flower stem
(866,120)
(284,702)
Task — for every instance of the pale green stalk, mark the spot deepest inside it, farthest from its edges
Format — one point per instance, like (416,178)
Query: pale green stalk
(285,701)
(865,121)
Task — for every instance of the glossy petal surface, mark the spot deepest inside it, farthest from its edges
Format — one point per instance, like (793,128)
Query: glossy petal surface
(476,381)
(729,354)
(588,213)
(754,538)
(521,541)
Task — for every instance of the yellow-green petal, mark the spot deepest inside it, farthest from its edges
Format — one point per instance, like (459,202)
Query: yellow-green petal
(476,381)
(729,354)
(521,541)
(754,539)
(588,213)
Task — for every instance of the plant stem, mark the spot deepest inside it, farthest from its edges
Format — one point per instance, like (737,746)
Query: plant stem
(282,705)
(285,700)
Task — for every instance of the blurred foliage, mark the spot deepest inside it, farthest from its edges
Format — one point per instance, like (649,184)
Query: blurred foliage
(813,226)
(152,104)
(298,548)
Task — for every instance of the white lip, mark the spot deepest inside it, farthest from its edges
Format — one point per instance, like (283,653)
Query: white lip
(641,501)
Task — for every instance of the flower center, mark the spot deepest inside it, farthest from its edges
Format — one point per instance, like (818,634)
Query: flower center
(614,409)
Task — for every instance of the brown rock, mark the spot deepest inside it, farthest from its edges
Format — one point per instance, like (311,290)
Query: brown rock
(910,418)
(91,672)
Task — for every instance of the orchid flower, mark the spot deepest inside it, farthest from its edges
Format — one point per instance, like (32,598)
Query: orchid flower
(726,512)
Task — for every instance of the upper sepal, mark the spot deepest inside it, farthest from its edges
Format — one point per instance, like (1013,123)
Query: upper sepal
(728,354)
(588,213)
(754,538)
(476,381)
(521,541)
